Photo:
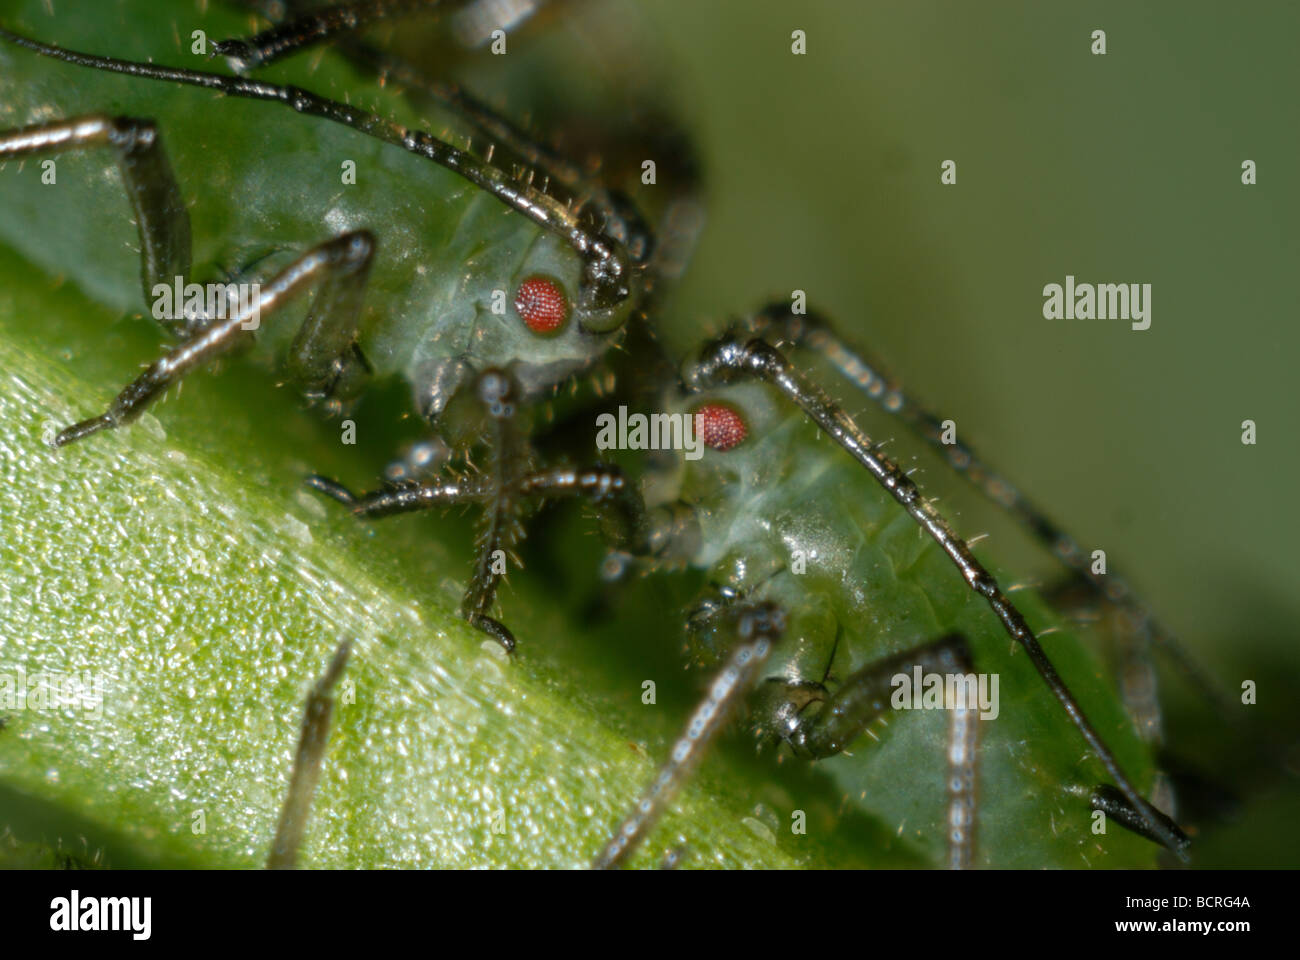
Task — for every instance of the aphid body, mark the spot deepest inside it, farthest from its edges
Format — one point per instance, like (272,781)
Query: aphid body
(782,516)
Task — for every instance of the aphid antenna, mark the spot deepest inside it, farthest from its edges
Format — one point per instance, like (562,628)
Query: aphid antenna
(608,273)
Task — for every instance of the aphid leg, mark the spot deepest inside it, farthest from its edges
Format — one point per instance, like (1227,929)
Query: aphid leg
(500,532)
(156,203)
(311,28)
(502,529)
(729,359)
(307,764)
(617,500)
(495,128)
(500,490)
(510,145)
(866,695)
(1134,668)
(1113,803)
(299,29)
(1178,788)
(757,627)
(669,538)
(782,327)
(340,266)
(509,483)
(427,495)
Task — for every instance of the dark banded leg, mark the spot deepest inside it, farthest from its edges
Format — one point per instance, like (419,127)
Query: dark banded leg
(757,627)
(442,493)
(664,249)
(729,359)
(615,497)
(1130,654)
(1113,803)
(669,539)
(307,764)
(607,487)
(631,533)
(429,495)
(779,325)
(963,742)
(304,28)
(310,28)
(156,204)
(500,491)
(866,696)
(502,528)
(340,266)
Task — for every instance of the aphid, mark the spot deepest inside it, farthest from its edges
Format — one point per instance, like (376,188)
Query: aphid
(563,254)
(835,567)
(571,299)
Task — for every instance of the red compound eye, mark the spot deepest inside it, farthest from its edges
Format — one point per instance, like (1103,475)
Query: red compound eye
(721,427)
(542,304)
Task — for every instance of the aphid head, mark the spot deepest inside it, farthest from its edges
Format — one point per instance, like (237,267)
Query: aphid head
(528,317)
(538,321)
(576,301)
